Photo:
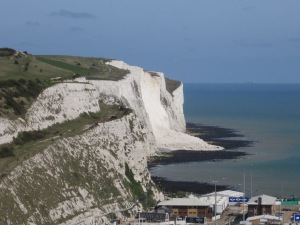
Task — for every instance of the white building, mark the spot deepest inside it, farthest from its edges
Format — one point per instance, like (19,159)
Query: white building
(223,199)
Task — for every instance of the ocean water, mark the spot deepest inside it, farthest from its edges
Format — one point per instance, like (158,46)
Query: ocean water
(269,115)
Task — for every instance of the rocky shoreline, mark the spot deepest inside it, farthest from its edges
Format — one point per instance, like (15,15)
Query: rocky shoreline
(173,188)
(227,138)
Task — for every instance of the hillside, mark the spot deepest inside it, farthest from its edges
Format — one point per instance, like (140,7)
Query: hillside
(75,135)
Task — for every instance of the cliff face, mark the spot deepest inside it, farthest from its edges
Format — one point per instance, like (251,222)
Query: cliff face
(102,171)
(81,177)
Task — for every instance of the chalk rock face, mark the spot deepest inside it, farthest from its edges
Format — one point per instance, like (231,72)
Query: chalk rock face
(64,101)
(83,179)
(164,109)
(144,92)
(9,129)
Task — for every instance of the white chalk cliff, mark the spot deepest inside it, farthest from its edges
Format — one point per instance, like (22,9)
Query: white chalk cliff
(82,179)
(147,95)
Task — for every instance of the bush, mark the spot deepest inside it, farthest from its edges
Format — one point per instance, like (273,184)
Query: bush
(11,103)
(7,52)
(135,187)
(6,151)
(76,76)
(26,136)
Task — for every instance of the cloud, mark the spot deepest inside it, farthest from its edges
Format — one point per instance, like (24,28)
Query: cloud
(252,43)
(30,23)
(73,15)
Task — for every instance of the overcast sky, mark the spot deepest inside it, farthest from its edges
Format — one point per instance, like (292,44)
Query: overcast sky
(195,41)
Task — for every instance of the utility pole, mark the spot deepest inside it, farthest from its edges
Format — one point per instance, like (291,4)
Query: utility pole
(215,211)
(244,198)
(251,182)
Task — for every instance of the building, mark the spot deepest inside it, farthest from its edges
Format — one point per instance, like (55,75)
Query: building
(264,219)
(261,205)
(225,198)
(189,207)
(221,202)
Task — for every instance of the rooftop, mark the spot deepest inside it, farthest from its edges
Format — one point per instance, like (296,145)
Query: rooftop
(263,218)
(265,200)
(227,193)
(185,202)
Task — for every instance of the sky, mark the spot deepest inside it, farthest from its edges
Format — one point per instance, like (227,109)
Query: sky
(194,41)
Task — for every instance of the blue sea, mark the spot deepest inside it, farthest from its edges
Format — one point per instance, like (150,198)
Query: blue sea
(269,115)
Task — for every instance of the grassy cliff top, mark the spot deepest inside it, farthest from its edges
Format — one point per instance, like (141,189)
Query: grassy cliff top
(23,76)
(22,65)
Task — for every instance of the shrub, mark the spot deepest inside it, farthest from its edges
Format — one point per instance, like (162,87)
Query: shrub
(6,151)
(76,75)
(22,81)
(134,186)
(26,136)
(7,52)
(11,103)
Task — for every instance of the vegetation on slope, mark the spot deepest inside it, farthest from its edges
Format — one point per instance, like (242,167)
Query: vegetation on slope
(146,198)
(28,143)
(91,68)
(23,76)
(42,193)
(17,95)
(7,52)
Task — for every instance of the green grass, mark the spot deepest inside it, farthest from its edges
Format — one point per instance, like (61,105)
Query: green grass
(36,69)
(23,77)
(45,67)
(24,148)
(16,96)
(66,66)
(91,68)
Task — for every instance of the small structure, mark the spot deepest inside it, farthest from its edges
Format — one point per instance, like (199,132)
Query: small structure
(264,219)
(225,198)
(261,205)
(221,202)
(153,217)
(189,207)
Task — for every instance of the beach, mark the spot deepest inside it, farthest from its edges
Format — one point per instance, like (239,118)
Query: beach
(211,134)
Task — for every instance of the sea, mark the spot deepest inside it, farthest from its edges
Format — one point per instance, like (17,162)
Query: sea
(268,115)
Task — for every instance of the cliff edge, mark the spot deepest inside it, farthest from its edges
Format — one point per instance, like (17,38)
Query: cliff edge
(79,153)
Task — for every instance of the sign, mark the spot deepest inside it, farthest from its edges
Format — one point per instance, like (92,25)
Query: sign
(194,220)
(238,199)
(297,217)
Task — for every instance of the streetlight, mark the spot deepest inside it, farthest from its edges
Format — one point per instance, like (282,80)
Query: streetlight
(244,198)
(215,182)
(139,217)
(251,182)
